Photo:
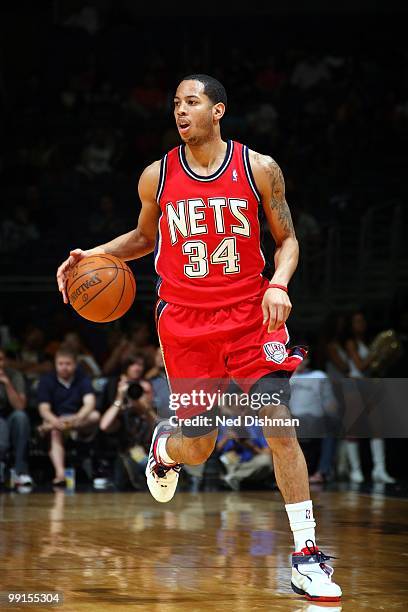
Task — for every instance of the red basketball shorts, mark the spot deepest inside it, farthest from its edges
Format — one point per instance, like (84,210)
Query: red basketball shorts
(208,349)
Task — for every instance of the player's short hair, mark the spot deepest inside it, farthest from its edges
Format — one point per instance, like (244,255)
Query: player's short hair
(213,89)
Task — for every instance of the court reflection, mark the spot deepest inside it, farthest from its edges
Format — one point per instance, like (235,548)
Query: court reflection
(228,550)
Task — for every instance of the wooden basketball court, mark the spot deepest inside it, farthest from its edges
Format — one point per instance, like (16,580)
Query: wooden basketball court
(208,551)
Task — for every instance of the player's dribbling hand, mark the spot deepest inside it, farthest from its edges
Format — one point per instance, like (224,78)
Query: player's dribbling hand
(276,307)
(62,273)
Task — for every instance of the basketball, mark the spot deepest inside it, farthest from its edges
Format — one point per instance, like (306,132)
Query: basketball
(101,288)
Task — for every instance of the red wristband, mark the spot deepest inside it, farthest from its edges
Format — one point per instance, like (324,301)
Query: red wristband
(275,286)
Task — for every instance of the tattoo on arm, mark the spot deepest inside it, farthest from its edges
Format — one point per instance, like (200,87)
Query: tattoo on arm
(278,199)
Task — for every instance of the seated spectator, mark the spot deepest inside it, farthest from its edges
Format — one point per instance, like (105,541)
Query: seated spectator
(161,392)
(306,227)
(32,359)
(14,423)
(147,98)
(138,340)
(66,402)
(310,72)
(106,221)
(97,157)
(313,402)
(128,413)
(85,358)
(247,460)
(18,230)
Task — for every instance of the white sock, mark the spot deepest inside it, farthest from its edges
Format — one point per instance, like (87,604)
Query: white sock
(161,452)
(302,523)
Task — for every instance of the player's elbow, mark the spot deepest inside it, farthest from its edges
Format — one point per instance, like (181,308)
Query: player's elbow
(289,242)
(145,242)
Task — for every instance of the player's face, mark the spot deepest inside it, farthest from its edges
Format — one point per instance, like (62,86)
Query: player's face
(194,114)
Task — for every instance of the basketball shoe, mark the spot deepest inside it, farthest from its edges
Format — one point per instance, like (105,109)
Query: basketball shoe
(311,576)
(161,478)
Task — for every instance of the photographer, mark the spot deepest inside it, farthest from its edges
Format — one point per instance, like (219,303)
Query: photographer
(129,417)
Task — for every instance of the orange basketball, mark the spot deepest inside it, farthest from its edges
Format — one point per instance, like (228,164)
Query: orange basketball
(101,288)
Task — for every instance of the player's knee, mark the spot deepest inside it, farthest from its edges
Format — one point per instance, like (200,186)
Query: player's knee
(198,449)
(278,424)
(278,412)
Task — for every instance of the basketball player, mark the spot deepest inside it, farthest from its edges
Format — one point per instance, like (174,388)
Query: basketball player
(218,318)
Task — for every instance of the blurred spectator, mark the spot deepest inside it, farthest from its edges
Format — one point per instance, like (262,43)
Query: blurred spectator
(333,356)
(147,98)
(263,123)
(106,222)
(18,230)
(14,423)
(132,369)
(97,156)
(246,460)
(128,413)
(270,77)
(161,392)
(359,359)
(87,18)
(313,403)
(400,368)
(356,345)
(310,72)
(85,358)
(35,205)
(138,340)
(32,359)
(66,402)
(306,226)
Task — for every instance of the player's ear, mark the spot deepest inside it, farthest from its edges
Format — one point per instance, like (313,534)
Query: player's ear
(218,111)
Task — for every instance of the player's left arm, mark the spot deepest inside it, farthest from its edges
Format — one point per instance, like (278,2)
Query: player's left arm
(276,305)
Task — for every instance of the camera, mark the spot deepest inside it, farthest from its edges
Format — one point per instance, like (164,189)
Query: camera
(134,391)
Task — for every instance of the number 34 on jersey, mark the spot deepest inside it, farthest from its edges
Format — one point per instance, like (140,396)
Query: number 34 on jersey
(188,218)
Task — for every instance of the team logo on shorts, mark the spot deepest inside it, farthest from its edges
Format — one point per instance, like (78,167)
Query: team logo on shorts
(275,351)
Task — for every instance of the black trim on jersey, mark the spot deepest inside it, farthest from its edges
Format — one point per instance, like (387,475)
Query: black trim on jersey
(159,281)
(162,178)
(211,177)
(248,172)
(161,304)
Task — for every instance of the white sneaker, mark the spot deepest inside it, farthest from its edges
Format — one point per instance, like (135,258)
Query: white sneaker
(311,576)
(23,480)
(356,476)
(161,479)
(381,475)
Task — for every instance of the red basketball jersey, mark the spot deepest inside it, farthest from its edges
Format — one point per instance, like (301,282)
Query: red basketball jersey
(208,250)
